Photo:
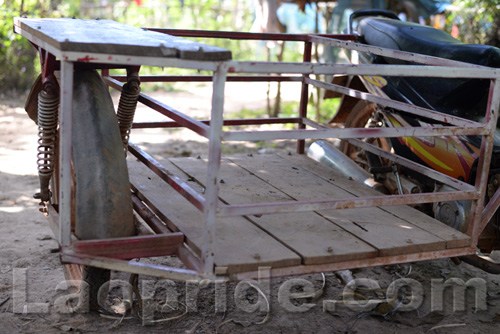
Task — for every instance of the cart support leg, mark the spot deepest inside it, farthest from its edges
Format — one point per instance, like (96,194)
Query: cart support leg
(476,223)
(214,156)
(304,97)
(65,149)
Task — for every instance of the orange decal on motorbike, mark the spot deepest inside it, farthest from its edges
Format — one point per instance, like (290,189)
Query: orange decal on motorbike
(376,80)
(448,155)
(416,146)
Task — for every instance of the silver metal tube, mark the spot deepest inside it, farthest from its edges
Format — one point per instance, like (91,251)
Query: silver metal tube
(324,152)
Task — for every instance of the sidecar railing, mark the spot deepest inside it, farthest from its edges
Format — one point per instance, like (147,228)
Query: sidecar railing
(196,246)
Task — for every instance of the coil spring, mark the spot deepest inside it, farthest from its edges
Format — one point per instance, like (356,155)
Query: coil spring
(126,110)
(47,133)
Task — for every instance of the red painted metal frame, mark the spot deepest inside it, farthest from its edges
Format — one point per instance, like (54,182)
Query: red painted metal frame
(461,126)
(131,247)
(109,253)
(208,78)
(181,187)
(227,122)
(236,35)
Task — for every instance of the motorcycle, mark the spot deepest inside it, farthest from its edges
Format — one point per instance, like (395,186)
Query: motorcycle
(456,156)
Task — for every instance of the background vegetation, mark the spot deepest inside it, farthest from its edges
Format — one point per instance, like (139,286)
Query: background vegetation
(476,21)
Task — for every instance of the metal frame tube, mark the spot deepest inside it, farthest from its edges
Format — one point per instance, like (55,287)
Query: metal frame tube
(476,223)
(343,203)
(65,153)
(428,113)
(212,129)
(214,162)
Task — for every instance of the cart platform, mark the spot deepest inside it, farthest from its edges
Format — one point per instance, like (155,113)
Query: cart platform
(289,239)
(106,40)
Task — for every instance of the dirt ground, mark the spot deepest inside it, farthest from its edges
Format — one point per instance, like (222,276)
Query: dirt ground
(32,281)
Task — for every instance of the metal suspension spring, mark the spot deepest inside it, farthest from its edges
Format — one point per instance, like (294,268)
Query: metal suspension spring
(126,109)
(48,105)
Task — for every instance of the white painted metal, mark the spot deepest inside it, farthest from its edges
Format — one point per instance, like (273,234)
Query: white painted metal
(446,69)
(353,133)
(482,177)
(431,114)
(383,70)
(402,55)
(65,151)
(214,160)
(132,266)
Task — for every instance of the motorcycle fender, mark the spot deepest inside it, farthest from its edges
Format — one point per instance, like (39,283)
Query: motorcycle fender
(347,103)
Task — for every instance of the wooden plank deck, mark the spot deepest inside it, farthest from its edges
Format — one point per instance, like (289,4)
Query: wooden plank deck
(241,246)
(280,240)
(311,236)
(454,238)
(113,38)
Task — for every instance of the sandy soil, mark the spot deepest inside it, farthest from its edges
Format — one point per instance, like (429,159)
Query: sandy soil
(31,275)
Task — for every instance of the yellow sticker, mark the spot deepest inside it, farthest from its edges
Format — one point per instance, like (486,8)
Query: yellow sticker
(376,80)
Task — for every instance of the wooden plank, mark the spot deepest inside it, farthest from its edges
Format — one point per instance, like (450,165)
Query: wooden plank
(316,239)
(113,38)
(241,246)
(388,233)
(454,238)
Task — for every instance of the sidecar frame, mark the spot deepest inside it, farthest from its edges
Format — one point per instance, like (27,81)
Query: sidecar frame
(200,257)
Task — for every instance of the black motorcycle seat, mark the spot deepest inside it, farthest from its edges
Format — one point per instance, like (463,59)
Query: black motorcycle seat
(412,37)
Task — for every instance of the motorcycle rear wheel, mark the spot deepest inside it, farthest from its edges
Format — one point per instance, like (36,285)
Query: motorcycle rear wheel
(359,117)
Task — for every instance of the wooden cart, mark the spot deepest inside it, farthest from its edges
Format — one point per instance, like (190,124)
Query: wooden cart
(226,216)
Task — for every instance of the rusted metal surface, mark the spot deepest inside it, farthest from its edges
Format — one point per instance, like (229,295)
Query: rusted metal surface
(132,247)
(227,122)
(397,54)
(183,188)
(214,163)
(431,114)
(355,264)
(208,78)
(135,267)
(491,208)
(156,224)
(236,35)
(179,117)
(306,57)
(481,182)
(65,151)
(101,253)
(343,133)
(343,203)
(128,103)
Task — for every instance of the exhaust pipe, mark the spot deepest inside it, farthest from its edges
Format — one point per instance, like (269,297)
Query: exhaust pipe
(325,153)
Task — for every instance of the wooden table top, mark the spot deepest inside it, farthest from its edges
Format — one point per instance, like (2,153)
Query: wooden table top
(113,38)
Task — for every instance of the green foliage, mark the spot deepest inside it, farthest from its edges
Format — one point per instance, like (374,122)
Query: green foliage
(328,108)
(18,59)
(474,19)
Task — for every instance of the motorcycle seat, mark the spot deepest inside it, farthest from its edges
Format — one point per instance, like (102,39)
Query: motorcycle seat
(412,37)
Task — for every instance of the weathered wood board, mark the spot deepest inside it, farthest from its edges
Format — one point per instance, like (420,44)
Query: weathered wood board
(241,246)
(113,38)
(390,234)
(454,238)
(280,240)
(314,238)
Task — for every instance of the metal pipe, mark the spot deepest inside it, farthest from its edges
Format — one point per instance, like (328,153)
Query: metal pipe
(325,153)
